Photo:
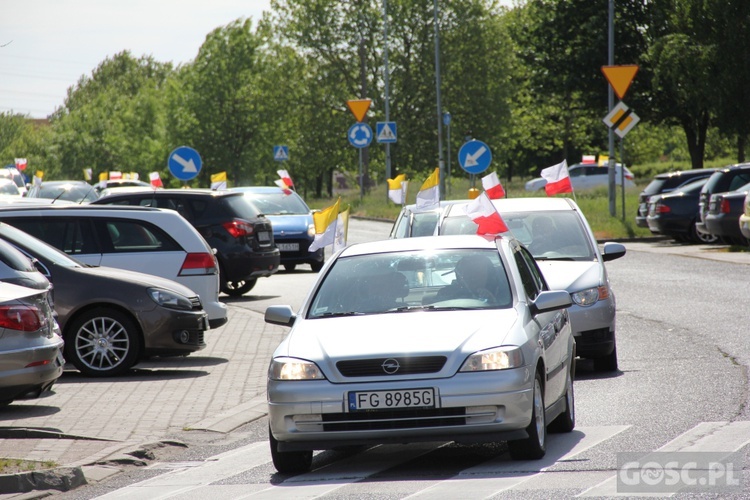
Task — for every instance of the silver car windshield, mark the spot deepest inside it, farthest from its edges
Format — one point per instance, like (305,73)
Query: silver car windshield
(552,235)
(412,281)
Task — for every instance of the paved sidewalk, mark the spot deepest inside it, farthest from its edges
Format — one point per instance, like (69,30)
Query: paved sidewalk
(90,427)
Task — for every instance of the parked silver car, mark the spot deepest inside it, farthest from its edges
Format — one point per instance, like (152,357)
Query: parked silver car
(559,237)
(422,339)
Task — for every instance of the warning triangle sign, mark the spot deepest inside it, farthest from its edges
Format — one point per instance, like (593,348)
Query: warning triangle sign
(280,154)
(386,134)
(359,107)
(620,77)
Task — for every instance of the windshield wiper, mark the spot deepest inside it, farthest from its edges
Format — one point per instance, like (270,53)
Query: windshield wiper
(413,308)
(339,314)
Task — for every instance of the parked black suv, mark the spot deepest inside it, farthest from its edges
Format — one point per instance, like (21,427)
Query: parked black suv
(723,180)
(241,237)
(665,183)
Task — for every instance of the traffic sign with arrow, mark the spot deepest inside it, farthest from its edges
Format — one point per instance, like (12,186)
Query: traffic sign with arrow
(184,163)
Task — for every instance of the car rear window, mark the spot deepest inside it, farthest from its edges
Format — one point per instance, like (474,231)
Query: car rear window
(656,186)
(278,203)
(14,259)
(238,206)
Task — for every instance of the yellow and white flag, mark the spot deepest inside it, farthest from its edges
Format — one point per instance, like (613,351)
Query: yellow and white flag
(397,189)
(325,226)
(219,181)
(342,229)
(428,196)
(88,174)
(38,177)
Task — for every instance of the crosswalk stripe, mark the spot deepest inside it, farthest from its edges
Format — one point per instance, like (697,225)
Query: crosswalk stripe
(180,481)
(482,480)
(725,437)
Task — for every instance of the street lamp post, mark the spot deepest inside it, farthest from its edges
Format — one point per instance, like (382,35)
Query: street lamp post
(447,121)
(441,162)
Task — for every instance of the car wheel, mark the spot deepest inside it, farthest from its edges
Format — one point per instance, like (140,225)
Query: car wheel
(566,421)
(317,266)
(238,288)
(535,446)
(290,267)
(289,462)
(103,342)
(699,237)
(607,363)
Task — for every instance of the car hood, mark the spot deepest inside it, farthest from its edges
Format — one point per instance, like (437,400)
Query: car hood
(290,223)
(137,278)
(454,334)
(572,276)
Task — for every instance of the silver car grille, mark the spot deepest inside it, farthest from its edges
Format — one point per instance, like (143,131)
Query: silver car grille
(394,419)
(391,366)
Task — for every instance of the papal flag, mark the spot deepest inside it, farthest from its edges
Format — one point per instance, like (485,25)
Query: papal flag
(88,174)
(397,189)
(325,226)
(342,229)
(428,196)
(38,177)
(219,181)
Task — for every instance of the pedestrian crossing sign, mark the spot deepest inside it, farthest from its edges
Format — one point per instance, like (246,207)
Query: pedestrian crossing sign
(280,153)
(385,132)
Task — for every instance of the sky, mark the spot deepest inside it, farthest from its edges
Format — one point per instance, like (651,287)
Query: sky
(47,45)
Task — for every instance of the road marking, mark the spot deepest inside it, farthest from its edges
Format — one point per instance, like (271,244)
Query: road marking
(725,437)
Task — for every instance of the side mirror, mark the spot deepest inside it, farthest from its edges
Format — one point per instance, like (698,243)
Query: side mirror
(552,300)
(280,315)
(612,251)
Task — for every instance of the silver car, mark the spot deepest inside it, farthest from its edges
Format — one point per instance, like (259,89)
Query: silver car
(423,339)
(30,347)
(559,237)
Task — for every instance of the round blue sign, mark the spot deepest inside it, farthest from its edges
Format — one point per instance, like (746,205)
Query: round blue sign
(474,156)
(360,135)
(184,163)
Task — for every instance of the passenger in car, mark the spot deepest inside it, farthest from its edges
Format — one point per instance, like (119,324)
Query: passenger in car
(476,278)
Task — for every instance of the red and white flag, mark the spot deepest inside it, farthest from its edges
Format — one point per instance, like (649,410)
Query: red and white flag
(286,178)
(21,164)
(155,179)
(485,215)
(558,180)
(492,186)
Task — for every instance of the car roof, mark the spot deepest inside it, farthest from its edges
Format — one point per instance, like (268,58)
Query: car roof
(423,243)
(259,189)
(686,173)
(182,192)
(83,208)
(526,204)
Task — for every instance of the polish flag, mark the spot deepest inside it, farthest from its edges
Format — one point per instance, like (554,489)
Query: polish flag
(155,179)
(558,180)
(21,164)
(485,215)
(286,178)
(492,186)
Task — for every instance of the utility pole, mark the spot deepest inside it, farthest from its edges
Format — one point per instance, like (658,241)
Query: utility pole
(611,104)
(388,173)
(441,162)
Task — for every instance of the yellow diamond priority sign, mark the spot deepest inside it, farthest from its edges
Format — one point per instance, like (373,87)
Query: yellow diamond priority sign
(359,107)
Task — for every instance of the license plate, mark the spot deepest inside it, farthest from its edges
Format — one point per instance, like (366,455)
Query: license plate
(388,400)
(288,247)
(264,236)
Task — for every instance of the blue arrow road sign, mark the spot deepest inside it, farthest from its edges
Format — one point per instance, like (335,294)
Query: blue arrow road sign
(184,163)
(385,132)
(360,135)
(281,153)
(474,156)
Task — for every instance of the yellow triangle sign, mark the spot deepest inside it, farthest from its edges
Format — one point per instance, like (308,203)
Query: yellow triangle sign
(620,77)
(359,107)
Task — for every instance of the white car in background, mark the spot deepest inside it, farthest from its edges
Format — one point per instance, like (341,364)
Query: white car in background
(587,176)
(148,240)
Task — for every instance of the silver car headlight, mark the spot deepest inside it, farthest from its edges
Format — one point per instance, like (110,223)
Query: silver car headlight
(169,299)
(294,369)
(591,296)
(499,358)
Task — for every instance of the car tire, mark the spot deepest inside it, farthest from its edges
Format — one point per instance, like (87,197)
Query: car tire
(317,266)
(103,342)
(607,363)
(566,421)
(239,288)
(290,267)
(699,237)
(535,446)
(289,462)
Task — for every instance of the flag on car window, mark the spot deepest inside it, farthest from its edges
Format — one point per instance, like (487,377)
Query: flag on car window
(428,196)
(397,188)
(558,180)
(325,226)
(492,186)
(485,215)
(218,181)
(342,229)
(38,177)
(115,175)
(155,179)
(88,174)
(285,178)
(21,164)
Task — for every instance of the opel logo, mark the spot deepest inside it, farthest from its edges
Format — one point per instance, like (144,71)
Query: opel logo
(390,366)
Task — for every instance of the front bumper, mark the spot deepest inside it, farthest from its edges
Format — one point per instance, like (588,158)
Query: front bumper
(469,407)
